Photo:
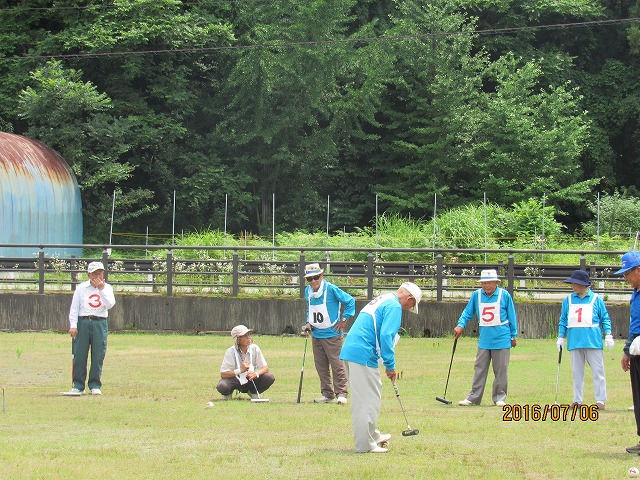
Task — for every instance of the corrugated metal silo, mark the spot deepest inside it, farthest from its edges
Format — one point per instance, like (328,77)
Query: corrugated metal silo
(39,198)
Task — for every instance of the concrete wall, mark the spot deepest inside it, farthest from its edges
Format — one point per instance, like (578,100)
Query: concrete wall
(20,312)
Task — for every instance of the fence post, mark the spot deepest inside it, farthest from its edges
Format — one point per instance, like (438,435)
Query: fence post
(169,273)
(301,279)
(74,273)
(235,262)
(412,269)
(583,262)
(41,271)
(511,274)
(439,279)
(105,262)
(370,273)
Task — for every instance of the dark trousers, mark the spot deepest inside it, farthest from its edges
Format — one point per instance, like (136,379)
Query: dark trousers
(634,372)
(91,334)
(226,386)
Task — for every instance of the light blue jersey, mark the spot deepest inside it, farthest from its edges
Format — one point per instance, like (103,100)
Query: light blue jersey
(579,336)
(495,337)
(332,297)
(364,339)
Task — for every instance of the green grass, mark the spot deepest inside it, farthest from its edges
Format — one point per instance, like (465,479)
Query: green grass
(153,423)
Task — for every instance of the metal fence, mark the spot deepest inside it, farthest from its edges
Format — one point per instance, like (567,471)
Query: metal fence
(248,270)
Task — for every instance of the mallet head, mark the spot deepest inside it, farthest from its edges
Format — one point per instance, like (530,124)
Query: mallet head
(410,432)
(443,400)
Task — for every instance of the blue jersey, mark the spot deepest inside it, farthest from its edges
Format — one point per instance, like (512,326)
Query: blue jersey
(495,337)
(333,297)
(634,319)
(585,337)
(366,343)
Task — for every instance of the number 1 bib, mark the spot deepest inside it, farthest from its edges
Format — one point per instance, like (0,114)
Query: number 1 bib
(580,315)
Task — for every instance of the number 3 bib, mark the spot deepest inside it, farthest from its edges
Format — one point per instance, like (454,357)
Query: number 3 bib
(489,312)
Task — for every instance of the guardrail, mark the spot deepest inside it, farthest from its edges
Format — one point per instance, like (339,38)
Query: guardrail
(231,274)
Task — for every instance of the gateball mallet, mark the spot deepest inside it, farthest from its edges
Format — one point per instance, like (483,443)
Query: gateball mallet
(259,399)
(443,399)
(304,355)
(558,374)
(409,431)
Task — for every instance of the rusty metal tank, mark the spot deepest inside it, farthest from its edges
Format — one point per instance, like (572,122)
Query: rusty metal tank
(39,199)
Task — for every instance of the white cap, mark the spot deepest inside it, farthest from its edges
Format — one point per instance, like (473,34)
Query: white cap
(93,266)
(415,292)
(312,270)
(240,330)
(489,276)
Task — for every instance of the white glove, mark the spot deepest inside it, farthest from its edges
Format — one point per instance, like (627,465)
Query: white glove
(608,341)
(560,343)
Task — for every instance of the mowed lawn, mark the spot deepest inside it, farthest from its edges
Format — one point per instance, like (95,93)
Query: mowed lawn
(153,421)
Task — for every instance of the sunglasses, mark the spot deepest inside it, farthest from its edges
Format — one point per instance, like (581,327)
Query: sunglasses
(311,279)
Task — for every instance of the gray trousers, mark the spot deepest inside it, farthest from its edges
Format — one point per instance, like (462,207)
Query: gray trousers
(499,359)
(595,359)
(326,353)
(366,396)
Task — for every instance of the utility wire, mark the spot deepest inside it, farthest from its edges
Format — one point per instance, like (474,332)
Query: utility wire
(311,43)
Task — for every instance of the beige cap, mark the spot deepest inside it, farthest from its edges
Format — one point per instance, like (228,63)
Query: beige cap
(240,330)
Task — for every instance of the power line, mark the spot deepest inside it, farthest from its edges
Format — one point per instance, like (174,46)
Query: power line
(312,43)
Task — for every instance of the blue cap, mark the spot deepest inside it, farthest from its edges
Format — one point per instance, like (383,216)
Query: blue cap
(629,260)
(580,277)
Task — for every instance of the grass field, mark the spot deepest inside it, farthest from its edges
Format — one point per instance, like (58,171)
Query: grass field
(153,421)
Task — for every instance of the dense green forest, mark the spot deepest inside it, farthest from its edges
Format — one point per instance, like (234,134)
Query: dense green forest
(359,104)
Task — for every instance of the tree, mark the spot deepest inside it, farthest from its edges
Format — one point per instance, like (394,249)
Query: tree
(73,118)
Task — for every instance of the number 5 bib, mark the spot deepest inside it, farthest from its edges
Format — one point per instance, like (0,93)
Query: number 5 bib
(489,313)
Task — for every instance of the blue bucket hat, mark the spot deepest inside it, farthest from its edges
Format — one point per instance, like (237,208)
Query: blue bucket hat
(629,260)
(580,277)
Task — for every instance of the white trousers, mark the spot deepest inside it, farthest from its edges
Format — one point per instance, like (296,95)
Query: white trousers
(366,396)
(595,358)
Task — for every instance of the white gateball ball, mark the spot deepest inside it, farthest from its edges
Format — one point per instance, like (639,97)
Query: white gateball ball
(634,472)
(210,404)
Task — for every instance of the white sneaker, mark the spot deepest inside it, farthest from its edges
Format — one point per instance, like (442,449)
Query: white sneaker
(96,391)
(500,403)
(384,438)
(74,391)
(324,399)
(379,450)
(342,400)
(465,402)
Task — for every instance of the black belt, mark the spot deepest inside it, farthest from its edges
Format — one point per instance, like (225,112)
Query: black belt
(93,318)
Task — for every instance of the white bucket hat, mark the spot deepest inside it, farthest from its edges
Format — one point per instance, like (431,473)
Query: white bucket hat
(312,270)
(489,276)
(415,292)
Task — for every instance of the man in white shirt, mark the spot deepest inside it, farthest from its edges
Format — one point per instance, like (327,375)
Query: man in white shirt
(244,367)
(88,327)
